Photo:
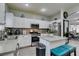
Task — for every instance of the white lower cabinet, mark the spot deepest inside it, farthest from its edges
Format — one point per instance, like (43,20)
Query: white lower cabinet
(24,41)
(52,44)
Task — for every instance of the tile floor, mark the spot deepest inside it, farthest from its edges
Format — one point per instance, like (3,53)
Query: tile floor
(76,44)
(31,51)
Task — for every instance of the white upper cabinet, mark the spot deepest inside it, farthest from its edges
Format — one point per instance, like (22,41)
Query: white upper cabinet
(2,13)
(9,20)
(19,22)
(27,23)
(44,24)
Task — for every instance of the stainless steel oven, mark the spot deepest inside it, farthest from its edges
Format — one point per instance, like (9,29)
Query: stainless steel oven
(35,38)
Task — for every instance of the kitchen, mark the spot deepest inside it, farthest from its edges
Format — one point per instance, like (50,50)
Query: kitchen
(22,30)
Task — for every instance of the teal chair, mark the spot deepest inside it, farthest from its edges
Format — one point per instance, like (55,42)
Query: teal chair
(63,50)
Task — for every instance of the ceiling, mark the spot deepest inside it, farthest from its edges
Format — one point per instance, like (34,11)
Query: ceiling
(51,8)
(74,18)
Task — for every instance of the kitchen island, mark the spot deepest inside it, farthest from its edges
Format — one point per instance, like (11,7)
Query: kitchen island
(52,42)
(8,47)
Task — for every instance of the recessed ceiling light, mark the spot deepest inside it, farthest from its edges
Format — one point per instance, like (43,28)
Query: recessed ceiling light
(43,10)
(27,5)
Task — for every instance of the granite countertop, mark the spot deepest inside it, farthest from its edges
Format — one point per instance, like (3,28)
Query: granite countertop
(53,38)
(7,46)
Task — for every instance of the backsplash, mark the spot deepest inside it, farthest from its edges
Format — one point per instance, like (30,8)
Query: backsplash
(23,31)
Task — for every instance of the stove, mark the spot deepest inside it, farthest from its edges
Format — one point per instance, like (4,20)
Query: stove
(35,38)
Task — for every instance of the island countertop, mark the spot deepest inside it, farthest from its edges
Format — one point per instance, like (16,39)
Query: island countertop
(52,41)
(53,38)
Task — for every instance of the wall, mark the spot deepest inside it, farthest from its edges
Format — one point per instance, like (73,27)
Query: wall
(73,22)
(70,11)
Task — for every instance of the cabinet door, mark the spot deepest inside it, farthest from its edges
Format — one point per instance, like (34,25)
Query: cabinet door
(9,20)
(17,22)
(27,23)
(2,13)
(22,22)
(24,41)
(44,24)
(41,25)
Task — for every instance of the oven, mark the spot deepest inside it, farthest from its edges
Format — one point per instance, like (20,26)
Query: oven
(35,39)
